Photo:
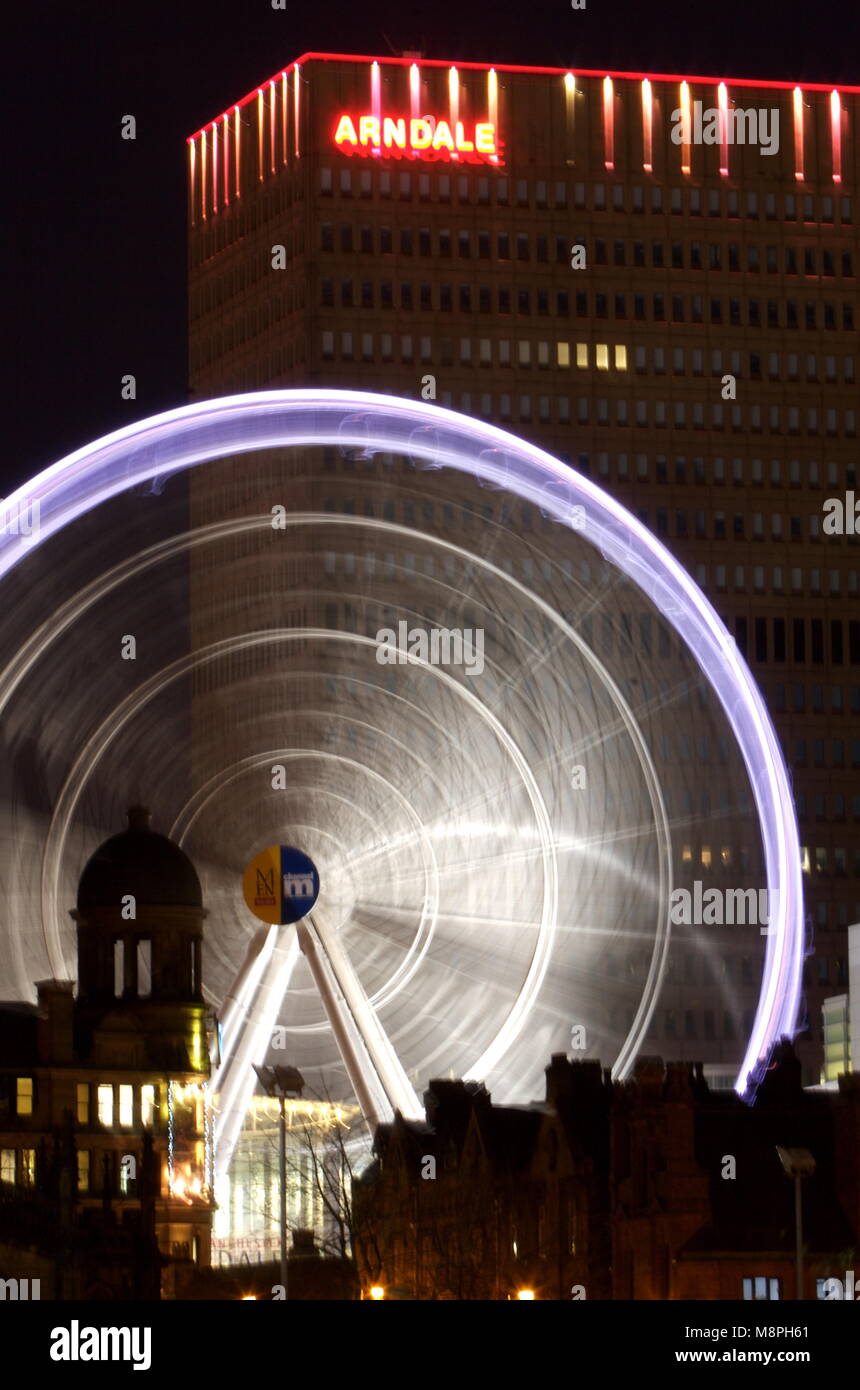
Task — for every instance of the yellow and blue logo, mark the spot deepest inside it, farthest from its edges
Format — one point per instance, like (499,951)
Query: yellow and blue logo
(281,885)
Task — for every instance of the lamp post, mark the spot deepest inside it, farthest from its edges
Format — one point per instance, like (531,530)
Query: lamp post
(797,1164)
(281,1083)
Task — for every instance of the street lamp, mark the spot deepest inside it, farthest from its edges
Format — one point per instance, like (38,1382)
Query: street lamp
(279,1083)
(797,1164)
(525,1295)
(376,1292)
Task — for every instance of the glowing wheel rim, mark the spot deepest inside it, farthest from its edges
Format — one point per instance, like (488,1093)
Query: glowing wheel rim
(194,434)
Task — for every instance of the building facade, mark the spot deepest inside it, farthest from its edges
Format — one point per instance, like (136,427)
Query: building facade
(105,1106)
(651,276)
(608,1191)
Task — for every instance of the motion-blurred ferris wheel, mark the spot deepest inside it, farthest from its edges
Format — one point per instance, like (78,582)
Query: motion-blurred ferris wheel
(497,717)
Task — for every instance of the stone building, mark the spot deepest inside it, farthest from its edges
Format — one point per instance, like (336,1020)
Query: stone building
(105,1109)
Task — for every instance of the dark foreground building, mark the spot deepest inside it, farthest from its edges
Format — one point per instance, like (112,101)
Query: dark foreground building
(105,1110)
(656,1188)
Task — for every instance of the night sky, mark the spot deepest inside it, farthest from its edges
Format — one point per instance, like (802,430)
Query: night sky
(95,226)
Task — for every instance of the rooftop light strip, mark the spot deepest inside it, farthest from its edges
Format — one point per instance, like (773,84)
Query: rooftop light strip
(536,71)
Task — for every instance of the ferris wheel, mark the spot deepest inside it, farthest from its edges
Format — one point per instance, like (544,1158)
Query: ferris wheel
(465,684)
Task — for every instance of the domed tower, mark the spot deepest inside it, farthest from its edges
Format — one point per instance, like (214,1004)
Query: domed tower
(139,922)
(141,1035)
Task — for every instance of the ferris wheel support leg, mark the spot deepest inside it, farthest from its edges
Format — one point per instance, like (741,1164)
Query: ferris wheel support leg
(380,1083)
(235,1006)
(235,1081)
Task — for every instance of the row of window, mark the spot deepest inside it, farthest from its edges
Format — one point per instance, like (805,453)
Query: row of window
(815,859)
(777,473)
(113,1103)
(622,413)
(503,191)
(795,580)
(499,352)
(18,1166)
(826,808)
(672,1028)
(716,579)
(714,472)
(442,242)
(677,308)
(718,530)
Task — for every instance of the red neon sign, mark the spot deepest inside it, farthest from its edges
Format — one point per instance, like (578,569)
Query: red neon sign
(418,137)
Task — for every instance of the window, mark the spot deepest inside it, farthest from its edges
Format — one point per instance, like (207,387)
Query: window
(126,1105)
(28,1167)
(7,1165)
(83,1103)
(105,1104)
(24,1095)
(83,1170)
(147,1106)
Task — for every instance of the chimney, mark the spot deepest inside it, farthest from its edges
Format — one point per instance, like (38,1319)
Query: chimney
(55,1032)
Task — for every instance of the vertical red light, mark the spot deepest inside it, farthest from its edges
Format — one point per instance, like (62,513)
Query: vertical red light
(192,166)
(686,130)
(647,126)
(608,124)
(836,135)
(226,119)
(203,175)
(296,75)
(453,103)
(724,128)
(414,91)
(260,163)
(237,138)
(284,89)
(272,124)
(570,117)
(798,134)
(376,101)
(493,107)
(214,167)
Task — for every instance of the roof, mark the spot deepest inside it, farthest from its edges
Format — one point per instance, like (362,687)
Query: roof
(142,863)
(535,71)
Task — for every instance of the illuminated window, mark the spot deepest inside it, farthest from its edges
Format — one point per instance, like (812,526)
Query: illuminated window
(147,1105)
(83,1170)
(24,1095)
(126,1105)
(563,353)
(687,854)
(706,856)
(601,352)
(582,354)
(28,1167)
(83,1103)
(7,1165)
(105,1104)
(620,358)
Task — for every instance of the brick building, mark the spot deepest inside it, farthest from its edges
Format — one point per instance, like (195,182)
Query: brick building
(608,1191)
